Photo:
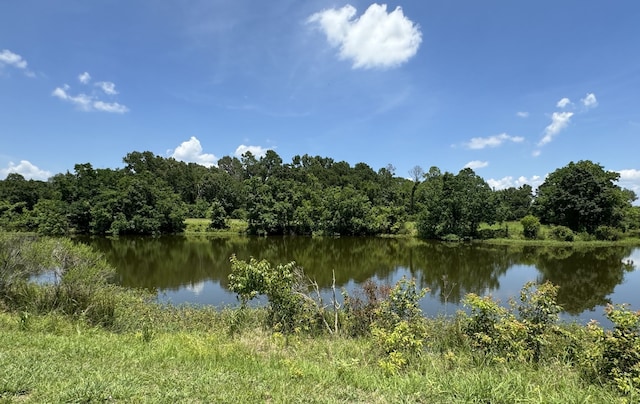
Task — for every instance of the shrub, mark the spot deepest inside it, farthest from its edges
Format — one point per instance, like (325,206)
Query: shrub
(561,233)
(400,329)
(218,217)
(614,356)
(290,308)
(491,328)
(530,227)
(496,331)
(608,233)
(80,285)
(361,307)
(486,234)
(538,312)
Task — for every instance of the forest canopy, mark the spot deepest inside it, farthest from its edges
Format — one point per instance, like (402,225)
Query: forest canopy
(154,195)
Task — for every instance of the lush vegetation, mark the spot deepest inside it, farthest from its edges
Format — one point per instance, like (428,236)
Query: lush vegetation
(310,195)
(77,338)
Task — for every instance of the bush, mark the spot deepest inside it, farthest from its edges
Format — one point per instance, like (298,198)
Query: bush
(360,308)
(400,329)
(530,227)
(614,355)
(538,312)
(498,333)
(290,307)
(218,217)
(491,328)
(80,285)
(608,233)
(561,233)
(486,234)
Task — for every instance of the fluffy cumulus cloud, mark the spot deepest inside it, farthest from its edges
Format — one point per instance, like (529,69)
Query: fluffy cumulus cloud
(376,39)
(559,121)
(112,107)
(630,179)
(257,151)
(91,101)
(476,164)
(84,78)
(26,169)
(563,103)
(492,141)
(191,152)
(108,87)
(508,182)
(8,58)
(590,101)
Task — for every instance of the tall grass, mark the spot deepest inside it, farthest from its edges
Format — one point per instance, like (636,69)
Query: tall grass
(82,339)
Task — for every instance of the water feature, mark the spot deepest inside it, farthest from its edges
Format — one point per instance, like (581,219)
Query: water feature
(194,270)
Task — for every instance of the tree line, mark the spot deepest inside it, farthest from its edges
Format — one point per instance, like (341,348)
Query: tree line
(310,195)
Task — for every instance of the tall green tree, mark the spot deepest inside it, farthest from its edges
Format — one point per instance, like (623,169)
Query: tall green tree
(513,203)
(582,196)
(454,205)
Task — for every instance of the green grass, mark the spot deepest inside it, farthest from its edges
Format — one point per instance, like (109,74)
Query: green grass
(194,225)
(189,356)
(516,237)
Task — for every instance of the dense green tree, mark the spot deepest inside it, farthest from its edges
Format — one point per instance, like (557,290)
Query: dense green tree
(513,203)
(50,217)
(218,217)
(455,205)
(15,188)
(582,196)
(347,212)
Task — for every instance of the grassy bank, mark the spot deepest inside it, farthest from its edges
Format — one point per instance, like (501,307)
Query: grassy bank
(54,359)
(499,233)
(82,339)
(201,226)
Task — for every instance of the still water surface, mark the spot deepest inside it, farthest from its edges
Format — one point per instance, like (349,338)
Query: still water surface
(194,270)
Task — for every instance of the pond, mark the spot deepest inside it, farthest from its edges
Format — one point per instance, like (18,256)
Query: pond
(194,269)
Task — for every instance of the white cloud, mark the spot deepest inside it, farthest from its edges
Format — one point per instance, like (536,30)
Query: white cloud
(91,102)
(26,169)
(536,153)
(590,101)
(376,39)
(492,141)
(563,102)
(112,107)
(630,179)
(108,87)
(191,152)
(84,78)
(629,175)
(82,101)
(522,114)
(559,121)
(8,58)
(257,151)
(508,182)
(475,164)
(12,59)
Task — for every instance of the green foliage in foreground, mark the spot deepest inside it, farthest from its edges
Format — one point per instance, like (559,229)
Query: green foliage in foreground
(54,359)
(58,351)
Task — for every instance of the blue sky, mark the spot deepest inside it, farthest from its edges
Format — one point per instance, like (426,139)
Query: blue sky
(513,89)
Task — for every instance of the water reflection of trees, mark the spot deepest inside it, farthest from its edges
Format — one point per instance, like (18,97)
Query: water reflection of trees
(585,276)
(451,271)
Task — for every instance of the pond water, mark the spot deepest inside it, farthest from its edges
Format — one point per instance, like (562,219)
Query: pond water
(194,269)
